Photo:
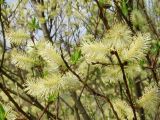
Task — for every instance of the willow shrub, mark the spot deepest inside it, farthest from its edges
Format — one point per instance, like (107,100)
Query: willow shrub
(79,59)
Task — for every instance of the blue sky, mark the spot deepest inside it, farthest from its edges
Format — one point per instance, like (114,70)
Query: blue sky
(10,1)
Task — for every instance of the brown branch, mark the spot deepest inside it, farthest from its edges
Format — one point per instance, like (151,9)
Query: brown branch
(21,96)
(67,104)
(44,110)
(76,112)
(125,82)
(101,63)
(57,106)
(29,117)
(123,16)
(102,15)
(3,34)
(10,78)
(150,22)
(153,70)
(100,107)
(80,106)
(45,30)
(86,79)
(92,91)
(138,90)
(14,11)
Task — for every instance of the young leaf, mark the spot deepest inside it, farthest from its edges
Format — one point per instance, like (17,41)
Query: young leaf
(52,98)
(124,7)
(2,113)
(101,2)
(33,25)
(155,48)
(75,56)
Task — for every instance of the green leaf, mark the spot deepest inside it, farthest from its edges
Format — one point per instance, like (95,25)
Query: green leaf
(142,63)
(52,98)
(75,56)
(2,113)
(155,48)
(102,2)
(124,7)
(33,25)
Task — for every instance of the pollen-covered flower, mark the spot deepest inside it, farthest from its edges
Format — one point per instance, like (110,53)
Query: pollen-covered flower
(49,53)
(118,37)
(21,59)
(112,74)
(18,37)
(138,48)
(51,85)
(43,87)
(137,18)
(95,51)
(71,82)
(150,100)
(123,109)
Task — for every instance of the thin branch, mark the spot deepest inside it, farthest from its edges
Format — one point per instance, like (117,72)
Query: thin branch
(57,106)
(102,15)
(3,34)
(149,20)
(67,104)
(138,90)
(124,17)
(44,111)
(100,107)
(92,91)
(45,30)
(153,70)
(30,117)
(87,76)
(14,11)
(126,84)
(77,114)
(80,106)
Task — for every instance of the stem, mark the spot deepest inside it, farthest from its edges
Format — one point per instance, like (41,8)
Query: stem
(45,30)
(76,112)
(80,106)
(126,84)
(57,107)
(123,16)
(149,20)
(153,70)
(91,90)
(138,90)
(102,16)
(29,117)
(44,111)
(3,34)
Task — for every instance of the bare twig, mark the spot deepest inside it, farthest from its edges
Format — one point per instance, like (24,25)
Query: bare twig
(44,111)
